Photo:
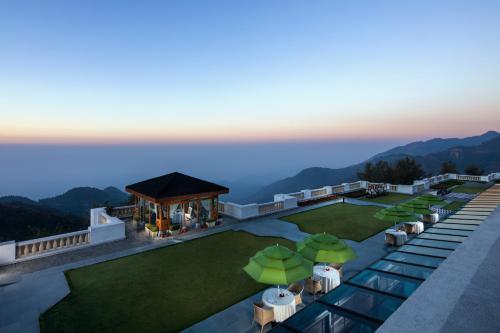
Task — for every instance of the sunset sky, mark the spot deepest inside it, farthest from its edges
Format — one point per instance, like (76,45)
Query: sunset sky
(238,71)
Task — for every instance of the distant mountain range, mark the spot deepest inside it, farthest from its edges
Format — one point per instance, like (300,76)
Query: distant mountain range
(78,201)
(22,218)
(420,148)
(482,150)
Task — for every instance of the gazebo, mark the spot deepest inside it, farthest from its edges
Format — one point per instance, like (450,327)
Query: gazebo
(176,199)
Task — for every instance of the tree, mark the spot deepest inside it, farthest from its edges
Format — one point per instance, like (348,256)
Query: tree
(473,170)
(381,172)
(448,167)
(406,171)
(367,173)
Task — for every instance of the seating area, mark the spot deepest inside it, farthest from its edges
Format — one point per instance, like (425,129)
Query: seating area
(277,265)
(375,190)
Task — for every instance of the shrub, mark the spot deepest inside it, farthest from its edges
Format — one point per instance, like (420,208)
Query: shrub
(152,227)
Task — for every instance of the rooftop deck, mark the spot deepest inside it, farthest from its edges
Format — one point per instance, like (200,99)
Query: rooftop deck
(369,298)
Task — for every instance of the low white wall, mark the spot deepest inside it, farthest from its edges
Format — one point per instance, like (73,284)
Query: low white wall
(405,189)
(104,228)
(7,252)
(290,202)
(307,194)
(241,212)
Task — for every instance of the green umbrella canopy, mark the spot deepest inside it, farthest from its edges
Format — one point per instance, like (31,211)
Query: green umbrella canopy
(395,214)
(430,199)
(278,265)
(416,207)
(325,248)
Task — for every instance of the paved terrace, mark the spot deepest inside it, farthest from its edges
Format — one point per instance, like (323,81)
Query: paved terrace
(29,288)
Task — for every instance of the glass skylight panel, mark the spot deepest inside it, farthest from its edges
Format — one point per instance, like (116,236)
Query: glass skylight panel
(417,272)
(472,213)
(315,317)
(414,259)
(469,217)
(449,232)
(389,283)
(454,226)
(434,243)
(478,209)
(369,303)
(425,251)
(460,221)
(450,238)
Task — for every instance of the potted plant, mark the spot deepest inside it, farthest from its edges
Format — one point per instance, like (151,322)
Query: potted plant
(174,230)
(211,223)
(152,230)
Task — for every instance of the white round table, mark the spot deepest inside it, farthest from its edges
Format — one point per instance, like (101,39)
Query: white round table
(417,226)
(328,276)
(400,236)
(283,307)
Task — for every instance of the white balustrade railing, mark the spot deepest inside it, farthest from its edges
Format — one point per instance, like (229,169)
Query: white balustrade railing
(298,195)
(318,192)
(355,186)
(282,201)
(123,211)
(270,207)
(53,243)
(338,189)
(220,207)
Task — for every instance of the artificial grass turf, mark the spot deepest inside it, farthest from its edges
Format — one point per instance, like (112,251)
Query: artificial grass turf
(454,205)
(467,189)
(163,290)
(391,198)
(343,220)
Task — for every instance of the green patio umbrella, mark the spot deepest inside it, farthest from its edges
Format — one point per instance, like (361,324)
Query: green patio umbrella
(278,265)
(416,207)
(430,199)
(395,214)
(325,248)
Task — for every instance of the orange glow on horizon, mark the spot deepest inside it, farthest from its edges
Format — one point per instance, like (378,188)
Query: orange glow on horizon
(390,125)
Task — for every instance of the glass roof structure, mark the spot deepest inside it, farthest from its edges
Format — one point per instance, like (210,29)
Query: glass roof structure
(362,303)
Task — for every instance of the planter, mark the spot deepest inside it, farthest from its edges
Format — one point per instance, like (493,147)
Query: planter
(150,233)
(211,224)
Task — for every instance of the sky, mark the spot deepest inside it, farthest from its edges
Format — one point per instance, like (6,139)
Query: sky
(224,72)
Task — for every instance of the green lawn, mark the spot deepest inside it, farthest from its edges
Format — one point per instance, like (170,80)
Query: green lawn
(454,205)
(391,198)
(163,290)
(467,189)
(343,220)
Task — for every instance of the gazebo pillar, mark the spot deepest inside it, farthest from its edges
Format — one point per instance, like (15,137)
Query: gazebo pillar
(214,211)
(163,222)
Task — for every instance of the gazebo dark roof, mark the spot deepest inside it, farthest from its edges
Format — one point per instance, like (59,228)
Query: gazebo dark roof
(174,184)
